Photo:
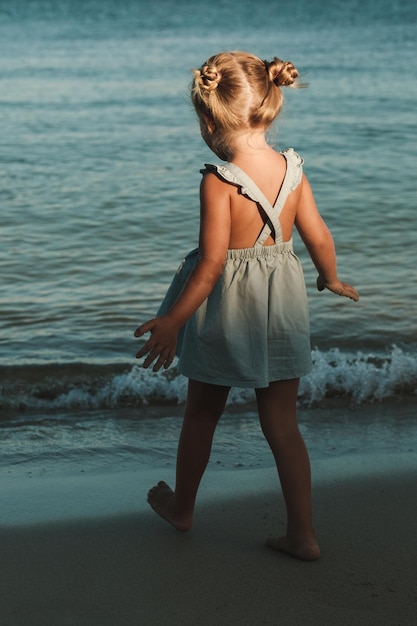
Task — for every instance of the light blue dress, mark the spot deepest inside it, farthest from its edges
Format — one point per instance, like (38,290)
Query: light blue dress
(254,327)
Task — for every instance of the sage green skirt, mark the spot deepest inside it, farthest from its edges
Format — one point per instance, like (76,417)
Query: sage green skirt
(254,327)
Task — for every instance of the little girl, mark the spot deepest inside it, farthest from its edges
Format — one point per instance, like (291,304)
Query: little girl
(241,316)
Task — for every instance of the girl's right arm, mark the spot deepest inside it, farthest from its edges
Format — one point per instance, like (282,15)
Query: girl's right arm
(320,245)
(213,244)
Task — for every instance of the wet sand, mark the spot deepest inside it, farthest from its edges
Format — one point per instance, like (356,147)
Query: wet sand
(86,550)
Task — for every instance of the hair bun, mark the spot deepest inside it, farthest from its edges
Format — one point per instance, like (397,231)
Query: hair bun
(281,73)
(208,77)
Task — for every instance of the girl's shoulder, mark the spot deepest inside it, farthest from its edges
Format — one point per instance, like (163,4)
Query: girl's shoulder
(233,174)
(294,167)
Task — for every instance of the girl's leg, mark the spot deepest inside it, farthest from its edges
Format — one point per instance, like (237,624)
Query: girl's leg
(278,418)
(203,409)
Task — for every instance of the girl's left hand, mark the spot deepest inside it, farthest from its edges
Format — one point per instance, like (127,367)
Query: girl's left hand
(161,344)
(339,288)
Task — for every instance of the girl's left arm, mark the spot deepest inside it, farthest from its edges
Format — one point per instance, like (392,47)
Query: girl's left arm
(213,244)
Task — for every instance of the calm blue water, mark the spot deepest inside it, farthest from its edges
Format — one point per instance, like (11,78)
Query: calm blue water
(99,172)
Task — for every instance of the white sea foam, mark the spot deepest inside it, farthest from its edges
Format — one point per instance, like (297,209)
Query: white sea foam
(363,377)
(360,377)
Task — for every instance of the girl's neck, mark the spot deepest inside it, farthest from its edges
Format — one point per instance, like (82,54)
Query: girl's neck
(248,144)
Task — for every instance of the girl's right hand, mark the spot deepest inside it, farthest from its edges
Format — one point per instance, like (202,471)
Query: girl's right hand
(161,345)
(341,289)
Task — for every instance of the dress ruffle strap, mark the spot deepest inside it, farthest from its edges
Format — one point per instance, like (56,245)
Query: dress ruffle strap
(231,173)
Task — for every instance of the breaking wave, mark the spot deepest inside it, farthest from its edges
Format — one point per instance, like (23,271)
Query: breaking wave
(359,377)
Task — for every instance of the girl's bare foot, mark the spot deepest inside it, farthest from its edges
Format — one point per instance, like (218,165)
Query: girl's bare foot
(162,500)
(307,550)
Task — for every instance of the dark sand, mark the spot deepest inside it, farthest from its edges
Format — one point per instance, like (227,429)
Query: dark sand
(86,551)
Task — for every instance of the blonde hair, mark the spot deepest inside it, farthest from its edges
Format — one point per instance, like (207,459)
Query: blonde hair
(237,91)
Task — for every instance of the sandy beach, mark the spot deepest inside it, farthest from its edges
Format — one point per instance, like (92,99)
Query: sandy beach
(86,550)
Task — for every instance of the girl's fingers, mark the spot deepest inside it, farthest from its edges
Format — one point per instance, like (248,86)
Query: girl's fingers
(165,359)
(145,349)
(144,328)
(168,362)
(158,348)
(351,292)
(153,354)
(141,330)
(339,288)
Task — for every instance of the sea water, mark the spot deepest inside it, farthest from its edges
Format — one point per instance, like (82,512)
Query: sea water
(100,156)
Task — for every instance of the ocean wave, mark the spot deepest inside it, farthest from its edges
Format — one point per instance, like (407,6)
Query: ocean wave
(358,377)
(364,377)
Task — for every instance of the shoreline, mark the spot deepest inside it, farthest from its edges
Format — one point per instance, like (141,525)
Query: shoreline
(82,443)
(109,560)
(42,497)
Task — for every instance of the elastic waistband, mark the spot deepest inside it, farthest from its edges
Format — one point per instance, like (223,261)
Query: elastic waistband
(260,251)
